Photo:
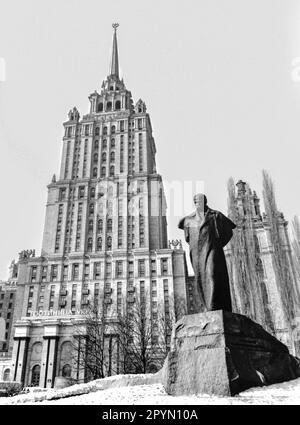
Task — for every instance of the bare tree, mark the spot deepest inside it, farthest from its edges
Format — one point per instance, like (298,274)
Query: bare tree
(296,247)
(89,346)
(282,267)
(144,339)
(135,332)
(128,341)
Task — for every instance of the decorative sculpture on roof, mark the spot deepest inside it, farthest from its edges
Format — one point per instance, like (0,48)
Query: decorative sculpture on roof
(140,107)
(175,244)
(28,253)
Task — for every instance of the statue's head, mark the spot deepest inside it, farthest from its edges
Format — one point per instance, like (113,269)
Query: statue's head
(200,201)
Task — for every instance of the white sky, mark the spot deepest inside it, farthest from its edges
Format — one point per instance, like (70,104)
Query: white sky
(216,77)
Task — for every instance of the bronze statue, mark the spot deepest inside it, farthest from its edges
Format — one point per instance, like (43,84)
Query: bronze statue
(207,231)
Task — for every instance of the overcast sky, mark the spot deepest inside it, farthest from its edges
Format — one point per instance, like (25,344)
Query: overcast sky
(216,77)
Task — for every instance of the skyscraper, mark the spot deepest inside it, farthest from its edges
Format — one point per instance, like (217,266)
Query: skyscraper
(105,235)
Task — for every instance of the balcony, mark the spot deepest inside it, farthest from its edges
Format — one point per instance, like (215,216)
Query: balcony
(131,300)
(85,302)
(108,290)
(108,301)
(63,292)
(131,290)
(62,303)
(85,292)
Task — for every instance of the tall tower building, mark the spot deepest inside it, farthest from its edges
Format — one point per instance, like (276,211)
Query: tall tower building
(105,235)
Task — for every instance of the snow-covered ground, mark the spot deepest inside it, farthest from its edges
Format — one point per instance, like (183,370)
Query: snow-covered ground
(142,390)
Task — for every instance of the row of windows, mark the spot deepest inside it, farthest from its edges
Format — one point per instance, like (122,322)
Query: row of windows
(109,106)
(119,267)
(87,128)
(85,293)
(11,295)
(10,305)
(140,187)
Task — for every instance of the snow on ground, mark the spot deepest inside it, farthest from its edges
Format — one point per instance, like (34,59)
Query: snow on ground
(119,390)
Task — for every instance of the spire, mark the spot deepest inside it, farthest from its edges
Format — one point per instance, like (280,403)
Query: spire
(114,68)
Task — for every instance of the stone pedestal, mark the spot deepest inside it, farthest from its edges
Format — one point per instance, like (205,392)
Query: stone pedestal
(224,353)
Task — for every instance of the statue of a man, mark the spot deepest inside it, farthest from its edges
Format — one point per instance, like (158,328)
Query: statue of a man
(207,231)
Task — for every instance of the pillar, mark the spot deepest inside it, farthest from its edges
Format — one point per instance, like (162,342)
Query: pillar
(20,351)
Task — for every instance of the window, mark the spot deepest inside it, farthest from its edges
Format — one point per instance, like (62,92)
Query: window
(95,172)
(153,267)
(62,193)
(92,192)
(54,269)
(164,266)
(112,156)
(33,273)
(91,209)
(141,267)
(96,145)
(91,225)
(6,375)
(99,244)
(109,225)
(81,192)
(11,296)
(130,269)
(140,156)
(66,371)
(35,377)
(112,170)
(166,285)
(100,107)
(74,290)
(108,106)
(104,157)
(108,271)
(41,297)
(90,244)
(100,225)
(97,131)
(118,105)
(75,271)
(97,270)
(104,144)
(119,268)
(112,143)
(103,171)
(44,273)
(95,159)
(109,242)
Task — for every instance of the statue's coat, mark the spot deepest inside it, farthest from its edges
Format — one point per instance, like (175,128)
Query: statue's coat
(206,241)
